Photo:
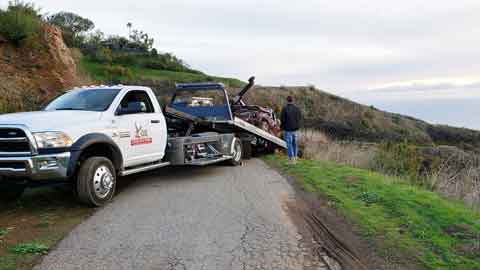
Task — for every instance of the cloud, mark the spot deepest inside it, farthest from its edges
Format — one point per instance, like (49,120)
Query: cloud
(475,86)
(416,87)
(427,87)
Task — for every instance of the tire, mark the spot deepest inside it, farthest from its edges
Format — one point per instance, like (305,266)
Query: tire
(247,149)
(10,191)
(270,148)
(237,152)
(96,181)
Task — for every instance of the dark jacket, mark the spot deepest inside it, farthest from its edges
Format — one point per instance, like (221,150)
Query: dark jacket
(291,117)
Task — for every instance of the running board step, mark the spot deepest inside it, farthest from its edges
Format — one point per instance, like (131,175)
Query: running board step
(208,161)
(145,168)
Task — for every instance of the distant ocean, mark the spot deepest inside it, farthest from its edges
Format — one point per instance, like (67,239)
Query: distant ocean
(458,112)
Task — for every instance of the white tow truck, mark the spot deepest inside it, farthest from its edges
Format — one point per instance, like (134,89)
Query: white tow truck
(89,136)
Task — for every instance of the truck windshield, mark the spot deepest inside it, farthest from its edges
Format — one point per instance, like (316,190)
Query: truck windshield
(84,100)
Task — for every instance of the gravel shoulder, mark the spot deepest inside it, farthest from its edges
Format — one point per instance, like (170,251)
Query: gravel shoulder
(216,217)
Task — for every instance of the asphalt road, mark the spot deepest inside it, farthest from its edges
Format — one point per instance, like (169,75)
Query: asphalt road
(216,217)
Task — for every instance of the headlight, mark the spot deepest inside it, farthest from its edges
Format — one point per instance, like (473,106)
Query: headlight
(52,139)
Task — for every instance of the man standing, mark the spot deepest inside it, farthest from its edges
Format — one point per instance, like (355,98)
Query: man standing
(291,118)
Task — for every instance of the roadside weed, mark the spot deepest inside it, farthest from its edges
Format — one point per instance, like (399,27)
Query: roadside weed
(4,232)
(44,221)
(30,248)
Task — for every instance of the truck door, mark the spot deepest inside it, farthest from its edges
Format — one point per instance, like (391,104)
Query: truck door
(135,129)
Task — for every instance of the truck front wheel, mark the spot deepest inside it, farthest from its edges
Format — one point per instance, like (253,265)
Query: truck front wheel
(96,181)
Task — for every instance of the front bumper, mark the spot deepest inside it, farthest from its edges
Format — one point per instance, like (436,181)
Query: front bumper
(39,167)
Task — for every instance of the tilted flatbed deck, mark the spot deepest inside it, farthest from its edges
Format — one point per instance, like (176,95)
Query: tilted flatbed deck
(237,124)
(247,127)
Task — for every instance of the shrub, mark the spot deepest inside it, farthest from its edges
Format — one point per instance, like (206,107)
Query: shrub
(103,55)
(365,124)
(396,119)
(116,73)
(155,64)
(14,100)
(19,25)
(465,138)
(126,59)
(73,27)
(398,159)
(368,115)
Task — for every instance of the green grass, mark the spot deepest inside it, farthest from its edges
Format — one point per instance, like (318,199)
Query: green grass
(95,70)
(44,221)
(30,248)
(24,255)
(399,218)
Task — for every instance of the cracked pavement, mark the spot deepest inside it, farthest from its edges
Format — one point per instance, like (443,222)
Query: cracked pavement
(216,217)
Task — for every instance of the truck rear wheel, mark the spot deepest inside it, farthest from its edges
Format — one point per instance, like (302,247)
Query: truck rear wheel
(96,181)
(10,190)
(237,152)
(247,149)
(270,148)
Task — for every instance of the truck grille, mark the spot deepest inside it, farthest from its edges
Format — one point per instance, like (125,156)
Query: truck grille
(14,141)
(14,165)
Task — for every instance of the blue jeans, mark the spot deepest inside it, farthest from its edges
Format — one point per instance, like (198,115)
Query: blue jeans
(291,140)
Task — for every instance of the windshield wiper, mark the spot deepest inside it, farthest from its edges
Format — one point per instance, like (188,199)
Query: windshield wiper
(69,109)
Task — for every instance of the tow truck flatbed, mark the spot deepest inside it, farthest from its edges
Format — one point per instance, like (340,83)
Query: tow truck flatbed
(237,124)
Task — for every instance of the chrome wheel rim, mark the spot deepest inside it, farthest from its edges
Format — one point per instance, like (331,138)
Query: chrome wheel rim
(103,181)
(237,151)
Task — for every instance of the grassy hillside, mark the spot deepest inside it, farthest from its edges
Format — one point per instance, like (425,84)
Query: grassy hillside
(102,73)
(404,222)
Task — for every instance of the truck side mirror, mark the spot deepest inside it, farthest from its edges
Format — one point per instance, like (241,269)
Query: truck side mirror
(133,107)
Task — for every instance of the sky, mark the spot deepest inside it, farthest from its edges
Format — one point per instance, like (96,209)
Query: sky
(414,57)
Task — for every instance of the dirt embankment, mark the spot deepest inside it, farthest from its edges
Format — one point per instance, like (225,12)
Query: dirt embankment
(32,74)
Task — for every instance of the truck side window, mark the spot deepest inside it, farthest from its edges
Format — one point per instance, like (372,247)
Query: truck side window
(137,96)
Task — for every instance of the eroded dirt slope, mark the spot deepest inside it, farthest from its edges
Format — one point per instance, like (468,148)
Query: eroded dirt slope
(32,74)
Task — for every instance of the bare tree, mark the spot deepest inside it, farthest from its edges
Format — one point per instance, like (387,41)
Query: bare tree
(129,26)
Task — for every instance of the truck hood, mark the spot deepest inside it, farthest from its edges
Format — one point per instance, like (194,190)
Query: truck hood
(49,120)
